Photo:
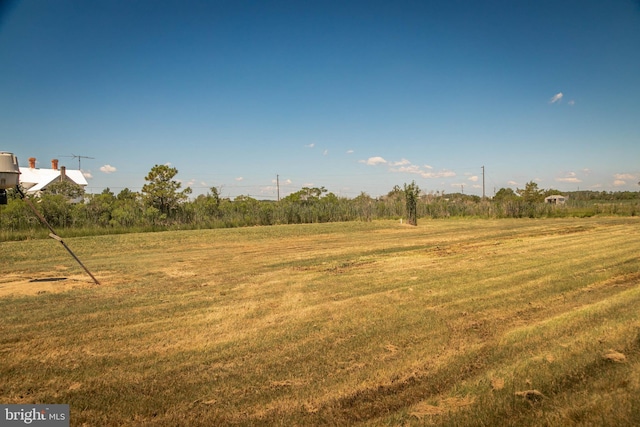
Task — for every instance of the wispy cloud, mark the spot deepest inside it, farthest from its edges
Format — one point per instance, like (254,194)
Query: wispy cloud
(427,174)
(282,181)
(401,162)
(325,152)
(405,166)
(569,177)
(624,176)
(473,178)
(556,98)
(349,151)
(87,174)
(374,161)
(621,179)
(310,145)
(108,169)
(571,103)
(239,179)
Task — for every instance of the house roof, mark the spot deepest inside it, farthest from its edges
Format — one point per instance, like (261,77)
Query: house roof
(36,179)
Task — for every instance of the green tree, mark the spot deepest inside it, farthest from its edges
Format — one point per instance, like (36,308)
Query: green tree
(531,193)
(306,195)
(68,189)
(411,195)
(99,207)
(56,209)
(126,194)
(505,194)
(364,204)
(162,191)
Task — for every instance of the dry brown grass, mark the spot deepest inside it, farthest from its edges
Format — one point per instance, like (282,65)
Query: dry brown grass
(340,324)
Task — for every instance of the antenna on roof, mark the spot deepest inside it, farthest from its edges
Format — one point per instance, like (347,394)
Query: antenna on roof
(79,158)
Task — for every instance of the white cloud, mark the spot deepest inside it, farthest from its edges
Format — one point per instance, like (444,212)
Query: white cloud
(310,145)
(569,177)
(424,174)
(349,151)
(442,174)
(623,176)
(325,152)
(512,183)
(556,98)
(267,189)
(239,178)
(408,169)
(373,161)
(282,182)
(87,174)
(473,178)
(405,166)
(107,169)
(571,103)
(586,171)
(401,162)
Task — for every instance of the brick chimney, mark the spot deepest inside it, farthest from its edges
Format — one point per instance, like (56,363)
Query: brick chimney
(54,164)
(32,162)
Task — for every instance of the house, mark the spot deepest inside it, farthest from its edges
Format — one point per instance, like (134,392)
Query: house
(556,199)
(34,179)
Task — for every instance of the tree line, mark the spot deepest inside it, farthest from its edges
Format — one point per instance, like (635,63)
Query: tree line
(163,204)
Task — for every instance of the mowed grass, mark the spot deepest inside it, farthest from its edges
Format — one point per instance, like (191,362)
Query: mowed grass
(453,322)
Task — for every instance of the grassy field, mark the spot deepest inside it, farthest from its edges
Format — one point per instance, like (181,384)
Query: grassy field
(454,322)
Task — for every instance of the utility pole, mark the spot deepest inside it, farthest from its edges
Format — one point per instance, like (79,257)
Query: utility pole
(462,188)
(483,196)
(278,185)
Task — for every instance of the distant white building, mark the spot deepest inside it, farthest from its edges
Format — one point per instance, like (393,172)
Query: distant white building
(34,180)
(556,199)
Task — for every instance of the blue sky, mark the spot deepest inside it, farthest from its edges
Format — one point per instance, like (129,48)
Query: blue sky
(350,95)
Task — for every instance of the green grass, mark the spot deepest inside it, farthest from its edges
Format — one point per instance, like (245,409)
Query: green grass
(374,323)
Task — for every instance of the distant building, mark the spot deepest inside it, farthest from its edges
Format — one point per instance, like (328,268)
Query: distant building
(34,180)
(556,199)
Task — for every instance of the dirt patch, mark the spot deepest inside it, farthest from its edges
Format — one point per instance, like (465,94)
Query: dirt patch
(451,404)
(497,383)
(18,285)
(614,356)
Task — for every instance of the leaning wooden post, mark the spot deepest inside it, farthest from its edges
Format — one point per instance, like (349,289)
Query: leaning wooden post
(53,234)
